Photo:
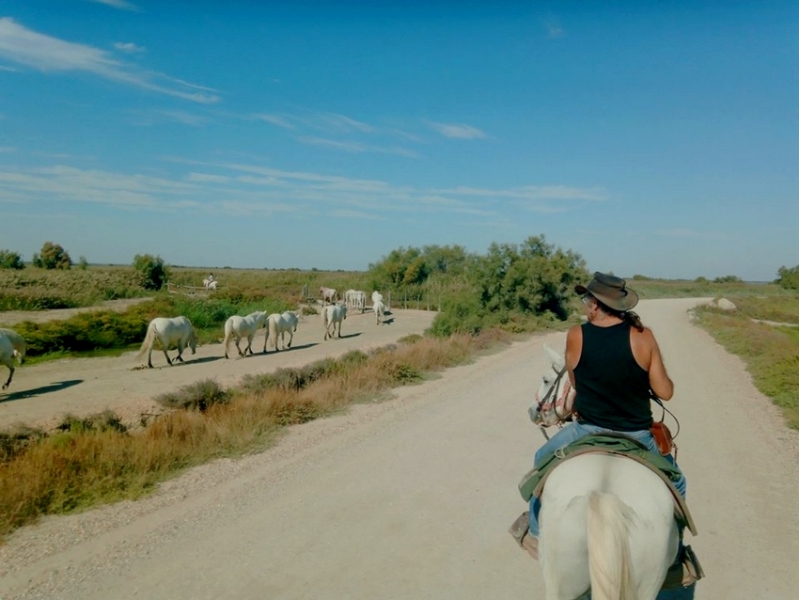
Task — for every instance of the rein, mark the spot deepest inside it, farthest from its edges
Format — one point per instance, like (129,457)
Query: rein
(551,394)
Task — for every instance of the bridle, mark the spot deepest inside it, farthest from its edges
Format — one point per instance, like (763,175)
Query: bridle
(553,399)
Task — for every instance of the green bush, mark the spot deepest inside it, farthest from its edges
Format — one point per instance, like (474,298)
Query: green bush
(788,278)
(11,260)
(52,256)
(152,271)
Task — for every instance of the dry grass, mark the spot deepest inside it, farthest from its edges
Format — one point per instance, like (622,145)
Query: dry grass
(92,461)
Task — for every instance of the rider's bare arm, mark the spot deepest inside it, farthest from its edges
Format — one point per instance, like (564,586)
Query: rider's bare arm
(574,347)
(647,354)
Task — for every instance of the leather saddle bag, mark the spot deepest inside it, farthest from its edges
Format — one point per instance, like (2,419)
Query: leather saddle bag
(663,437)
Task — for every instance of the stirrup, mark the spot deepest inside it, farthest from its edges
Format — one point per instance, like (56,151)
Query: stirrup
(520,530)
(685,571)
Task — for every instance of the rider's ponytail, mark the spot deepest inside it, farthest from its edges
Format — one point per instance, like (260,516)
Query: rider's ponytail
(633,319)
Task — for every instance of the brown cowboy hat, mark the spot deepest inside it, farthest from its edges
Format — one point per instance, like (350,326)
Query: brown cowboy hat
(610,290)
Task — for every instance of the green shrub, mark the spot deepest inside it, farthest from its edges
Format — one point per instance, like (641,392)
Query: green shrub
(11,260)
(102,421)
(52,256)
(152,271)
(199,395)
(788,278)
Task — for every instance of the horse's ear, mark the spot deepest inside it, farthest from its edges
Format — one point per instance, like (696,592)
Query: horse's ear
(556,359)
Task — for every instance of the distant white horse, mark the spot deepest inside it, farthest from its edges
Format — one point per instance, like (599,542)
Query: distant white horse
(355,300)
(379,309)
(20,347)
(328,295)
(279,325)
(332,316)
(168,331)
(237,327)
(607,522)
(376,297)
(9,345)
(210,283)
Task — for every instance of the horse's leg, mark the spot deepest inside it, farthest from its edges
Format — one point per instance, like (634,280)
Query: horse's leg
(180,351)
(238,339)
(248,350)
(10,366)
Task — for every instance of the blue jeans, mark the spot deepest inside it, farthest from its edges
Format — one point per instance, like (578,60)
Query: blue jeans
(575,431)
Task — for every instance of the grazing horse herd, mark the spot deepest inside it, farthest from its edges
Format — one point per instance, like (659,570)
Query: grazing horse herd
(178,331)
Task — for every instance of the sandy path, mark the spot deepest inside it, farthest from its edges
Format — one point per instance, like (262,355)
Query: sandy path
(41,393)
(411,498)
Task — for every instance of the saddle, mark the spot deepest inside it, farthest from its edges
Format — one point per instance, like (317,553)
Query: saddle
(616,444)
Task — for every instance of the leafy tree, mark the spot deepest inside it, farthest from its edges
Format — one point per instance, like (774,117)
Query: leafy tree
(52,256)
(788,278)
(83,264)
(10,260)
(727,279)
(152,271)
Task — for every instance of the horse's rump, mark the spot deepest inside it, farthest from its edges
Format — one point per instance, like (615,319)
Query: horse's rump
(17,342)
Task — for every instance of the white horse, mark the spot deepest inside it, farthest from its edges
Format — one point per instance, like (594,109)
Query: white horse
(11,346)
(332,316)
(20,347)
(210,283)
(607,521)
(237,327)
(328,295)
(279,325)
(379,309)
(168,331)
(376,297)
(355,300)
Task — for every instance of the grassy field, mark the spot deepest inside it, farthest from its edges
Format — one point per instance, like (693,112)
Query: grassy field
(771,351)
(95,460)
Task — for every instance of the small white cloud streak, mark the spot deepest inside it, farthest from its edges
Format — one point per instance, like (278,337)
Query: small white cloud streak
(120,4)
(7,149)
(245,189)
(45,53)
(9,69)
(554,31)
(183,117)
(462,131)
(274,120)
(129,48)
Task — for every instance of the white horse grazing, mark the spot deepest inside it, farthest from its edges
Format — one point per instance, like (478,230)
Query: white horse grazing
(168,331)
(355,300)
(379,309)
(20,347)
(280,325)
(8,351)
(607,521)
(328,295)
(332,316)
(237,327)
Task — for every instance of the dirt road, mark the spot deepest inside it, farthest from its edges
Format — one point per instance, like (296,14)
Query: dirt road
(411,498)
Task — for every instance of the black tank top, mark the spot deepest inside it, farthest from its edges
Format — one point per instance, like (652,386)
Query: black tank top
(612,389)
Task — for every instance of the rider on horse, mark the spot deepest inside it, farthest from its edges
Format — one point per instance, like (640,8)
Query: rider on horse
(615,367)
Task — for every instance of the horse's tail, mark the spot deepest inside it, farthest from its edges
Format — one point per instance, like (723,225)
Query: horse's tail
(228,334)
(325,321)
(609,561)
(148,342)
(272,331)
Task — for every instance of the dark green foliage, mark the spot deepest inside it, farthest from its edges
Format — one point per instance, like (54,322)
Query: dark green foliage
(199,395)
(152,271)
(84,332)
(727,279)
(788,278)
(83,264)
(11,260)
(52,256)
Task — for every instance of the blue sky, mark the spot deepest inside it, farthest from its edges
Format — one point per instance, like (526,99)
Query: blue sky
(655,138)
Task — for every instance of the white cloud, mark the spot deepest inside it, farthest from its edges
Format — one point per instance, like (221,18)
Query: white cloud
(463,132)
(39,51)
(356,147)
(207,178)
(129,48)
(554,30)
(274,120)
(9,69)
(120,4)
(7,149)
(183,117)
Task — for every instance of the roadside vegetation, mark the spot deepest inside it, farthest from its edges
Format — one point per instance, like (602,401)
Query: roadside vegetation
(92,460)
(764,331)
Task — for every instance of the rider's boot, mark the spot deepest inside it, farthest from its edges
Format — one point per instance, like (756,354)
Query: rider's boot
(520,530)
(685,571)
